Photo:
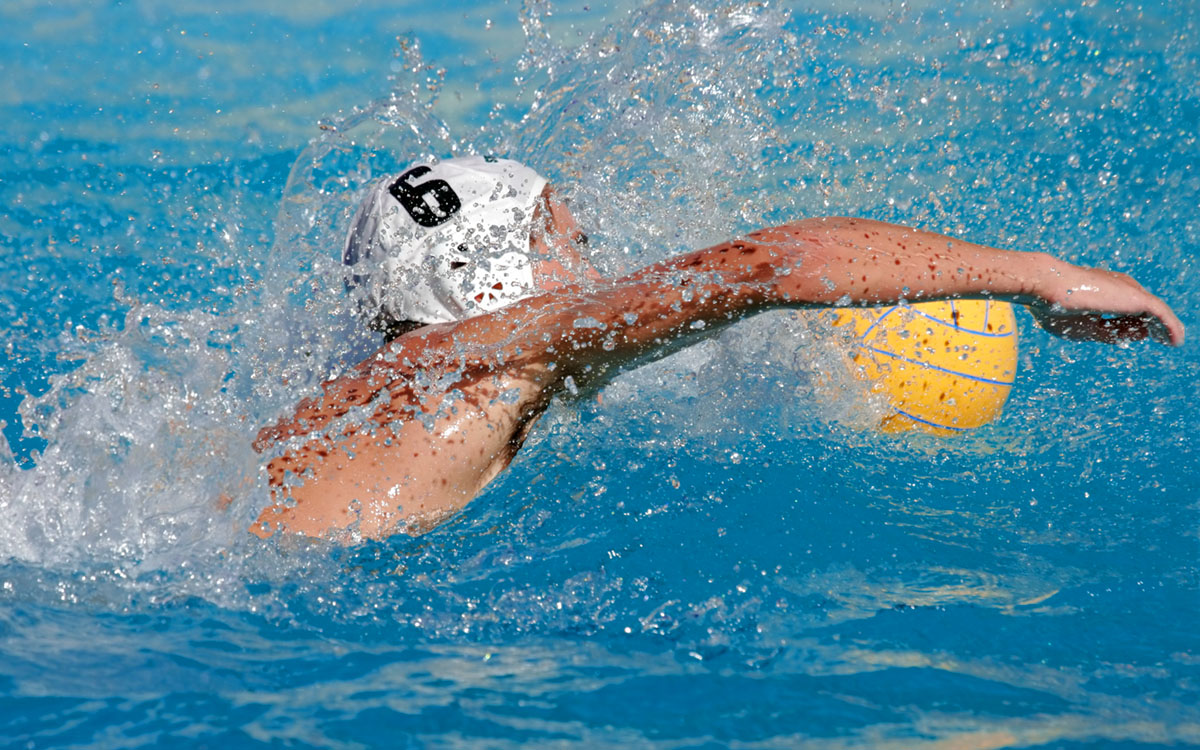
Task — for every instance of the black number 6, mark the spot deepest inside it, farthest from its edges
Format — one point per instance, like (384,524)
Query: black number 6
(429,203)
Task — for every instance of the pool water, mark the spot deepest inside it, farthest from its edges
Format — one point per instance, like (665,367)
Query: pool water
(715,550)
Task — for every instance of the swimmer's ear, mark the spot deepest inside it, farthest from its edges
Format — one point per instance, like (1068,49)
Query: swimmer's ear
(543,218)
(551,276)
(563,239)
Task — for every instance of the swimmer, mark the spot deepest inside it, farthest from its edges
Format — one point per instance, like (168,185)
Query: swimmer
(479,341)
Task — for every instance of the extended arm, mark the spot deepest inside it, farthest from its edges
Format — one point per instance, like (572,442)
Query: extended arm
(870,262)
(821,263)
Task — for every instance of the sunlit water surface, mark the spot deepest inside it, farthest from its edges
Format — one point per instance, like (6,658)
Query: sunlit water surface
(716,549)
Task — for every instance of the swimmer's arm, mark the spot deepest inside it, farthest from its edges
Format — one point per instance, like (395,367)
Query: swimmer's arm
(821,263)
(838,261)
(869,262)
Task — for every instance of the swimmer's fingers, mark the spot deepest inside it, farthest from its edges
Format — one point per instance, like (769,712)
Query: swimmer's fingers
(1106,330)
(1093,304)
(1166,327)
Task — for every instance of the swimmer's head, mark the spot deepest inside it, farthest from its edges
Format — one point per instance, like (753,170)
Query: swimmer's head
(446,241)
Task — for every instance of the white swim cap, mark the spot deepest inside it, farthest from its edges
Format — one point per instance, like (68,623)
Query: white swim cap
(446,241)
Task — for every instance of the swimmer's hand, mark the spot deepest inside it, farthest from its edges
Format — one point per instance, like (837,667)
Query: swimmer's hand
(1091,304)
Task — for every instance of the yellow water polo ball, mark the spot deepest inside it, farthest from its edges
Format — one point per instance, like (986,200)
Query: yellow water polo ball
(944,367)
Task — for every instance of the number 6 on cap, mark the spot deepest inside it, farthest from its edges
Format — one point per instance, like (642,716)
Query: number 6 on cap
(429,203)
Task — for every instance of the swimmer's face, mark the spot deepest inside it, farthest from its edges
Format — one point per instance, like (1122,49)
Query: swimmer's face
(556,244)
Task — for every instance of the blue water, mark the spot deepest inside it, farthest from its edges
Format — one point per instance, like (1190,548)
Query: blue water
(717,550)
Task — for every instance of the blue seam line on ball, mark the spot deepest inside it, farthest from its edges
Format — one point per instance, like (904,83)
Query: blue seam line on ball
(965,330)
(892,309)
(919,363)
(915,418)
(878,320)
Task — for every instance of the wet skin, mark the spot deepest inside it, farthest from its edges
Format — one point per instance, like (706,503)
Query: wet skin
(422,426)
